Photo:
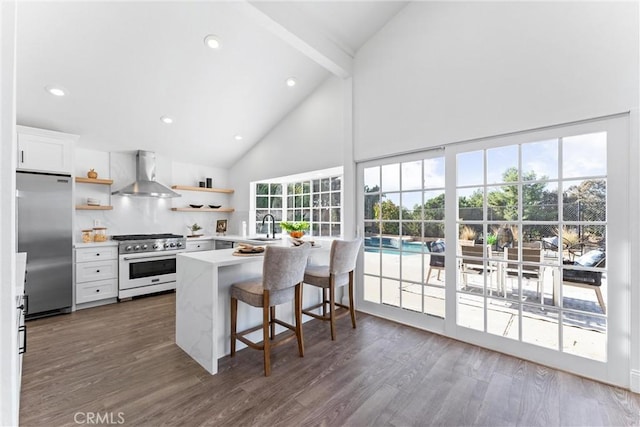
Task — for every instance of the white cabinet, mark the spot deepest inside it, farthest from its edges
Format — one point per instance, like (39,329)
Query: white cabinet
(96,275)
(45,150)
(97,253)
(199,245)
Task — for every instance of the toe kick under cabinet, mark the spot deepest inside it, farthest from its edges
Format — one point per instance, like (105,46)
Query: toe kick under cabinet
(96,271)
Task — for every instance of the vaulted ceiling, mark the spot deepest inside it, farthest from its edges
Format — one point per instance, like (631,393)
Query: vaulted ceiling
(124,65)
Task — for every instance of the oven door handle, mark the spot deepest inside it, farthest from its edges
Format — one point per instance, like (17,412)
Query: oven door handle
(149,257)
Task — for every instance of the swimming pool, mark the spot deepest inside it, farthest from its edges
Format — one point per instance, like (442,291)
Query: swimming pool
(392,245)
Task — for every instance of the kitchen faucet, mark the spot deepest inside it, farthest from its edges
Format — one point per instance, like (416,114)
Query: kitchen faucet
(273,225)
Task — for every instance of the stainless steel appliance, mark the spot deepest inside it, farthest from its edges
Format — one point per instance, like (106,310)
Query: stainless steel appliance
(44,231)
(145,184)
(147,263)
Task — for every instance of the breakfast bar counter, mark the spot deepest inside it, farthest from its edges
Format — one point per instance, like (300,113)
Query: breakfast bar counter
(203,305)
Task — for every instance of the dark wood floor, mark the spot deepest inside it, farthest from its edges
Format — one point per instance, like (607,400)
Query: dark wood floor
(119,363)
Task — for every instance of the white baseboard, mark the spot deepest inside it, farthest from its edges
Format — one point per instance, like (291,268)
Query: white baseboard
(634,381)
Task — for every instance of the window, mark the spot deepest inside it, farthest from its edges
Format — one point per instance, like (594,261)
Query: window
(268,201)
(310,197)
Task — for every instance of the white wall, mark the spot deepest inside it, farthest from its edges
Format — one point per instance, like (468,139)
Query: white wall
(310,137)
(445,72)
(131,215)
(9,365)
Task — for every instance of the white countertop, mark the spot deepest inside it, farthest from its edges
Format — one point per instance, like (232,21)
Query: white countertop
(222,257)
(239,239)
(95,244)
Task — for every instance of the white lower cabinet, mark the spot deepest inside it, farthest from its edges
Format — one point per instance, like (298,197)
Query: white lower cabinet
(96,275)
(200,245)
(94,291)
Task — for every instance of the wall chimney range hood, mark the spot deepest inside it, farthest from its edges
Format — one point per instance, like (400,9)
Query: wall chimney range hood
(145,184)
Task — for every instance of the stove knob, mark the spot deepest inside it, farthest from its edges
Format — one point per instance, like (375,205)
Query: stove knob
(173,245)
(144,247)
(128,248)
(166,246)
(156,246)
(136,248)
(179,244)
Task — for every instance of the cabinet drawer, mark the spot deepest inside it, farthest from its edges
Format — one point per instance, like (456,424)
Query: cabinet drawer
(94,291)
(96,270)
(206,245)
(96,254)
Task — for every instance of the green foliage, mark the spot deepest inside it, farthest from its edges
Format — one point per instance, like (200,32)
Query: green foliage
(195,227)
(583,202)
(294,226)
(492,239)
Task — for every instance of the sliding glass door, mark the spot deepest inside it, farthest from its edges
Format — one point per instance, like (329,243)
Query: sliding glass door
(515,243)
(403,223)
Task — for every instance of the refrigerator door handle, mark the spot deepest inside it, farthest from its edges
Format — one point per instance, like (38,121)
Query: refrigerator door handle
(23,349)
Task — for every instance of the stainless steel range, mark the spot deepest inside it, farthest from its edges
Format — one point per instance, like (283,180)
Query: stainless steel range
(147,263)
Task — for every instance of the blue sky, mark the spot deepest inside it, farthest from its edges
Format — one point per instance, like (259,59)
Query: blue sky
(582,156)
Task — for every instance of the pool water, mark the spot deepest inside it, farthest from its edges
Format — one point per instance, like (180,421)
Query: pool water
(391,245)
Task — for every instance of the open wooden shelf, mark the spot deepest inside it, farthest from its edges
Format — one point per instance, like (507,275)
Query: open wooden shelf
(210,190)
(94,181)
(202,210)
(93,208)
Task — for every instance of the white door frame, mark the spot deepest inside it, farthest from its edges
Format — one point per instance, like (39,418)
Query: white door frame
(622,194)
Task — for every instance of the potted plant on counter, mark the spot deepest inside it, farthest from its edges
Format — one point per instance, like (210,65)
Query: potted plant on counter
(194,229)
(295,229)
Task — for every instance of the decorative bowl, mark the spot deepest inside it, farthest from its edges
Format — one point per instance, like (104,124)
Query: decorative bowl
(196,206)
(215,206)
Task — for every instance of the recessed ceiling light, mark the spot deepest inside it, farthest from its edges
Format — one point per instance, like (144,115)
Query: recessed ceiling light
(166,119)
(238,137)
(212,41)
(55,90)
(291,81)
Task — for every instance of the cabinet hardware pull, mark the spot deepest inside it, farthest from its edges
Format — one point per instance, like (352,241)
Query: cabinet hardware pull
(21,156)
(23,349)
(97,271)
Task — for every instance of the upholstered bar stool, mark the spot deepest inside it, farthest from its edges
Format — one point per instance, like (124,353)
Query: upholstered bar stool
(281,281)
(338,273)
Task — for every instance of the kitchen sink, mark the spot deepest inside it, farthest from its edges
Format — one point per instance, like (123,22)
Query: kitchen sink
(265,239)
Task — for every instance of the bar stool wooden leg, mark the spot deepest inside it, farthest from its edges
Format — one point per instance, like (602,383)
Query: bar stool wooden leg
(298,315)
(332,307)
(352,309)
(266,347)
(324,302)
(273,324)
(234,317)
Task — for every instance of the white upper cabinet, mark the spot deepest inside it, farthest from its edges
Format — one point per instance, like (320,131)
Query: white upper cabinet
(45,150)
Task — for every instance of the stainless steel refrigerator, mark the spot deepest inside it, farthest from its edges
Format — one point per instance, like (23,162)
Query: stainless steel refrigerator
(44,221)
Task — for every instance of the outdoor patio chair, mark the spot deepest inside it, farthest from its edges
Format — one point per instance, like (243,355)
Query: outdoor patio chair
(436,258)
(529,271)
(587,279)
(472,262)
